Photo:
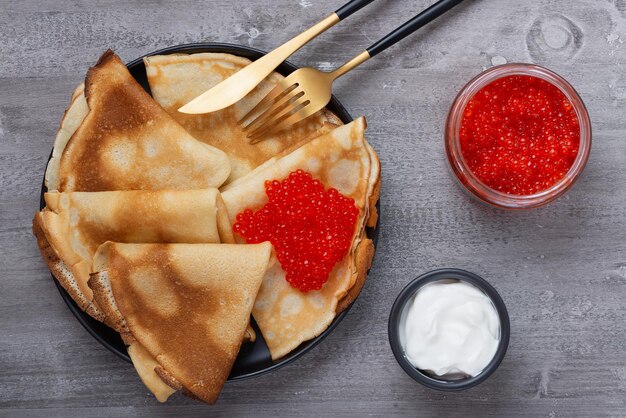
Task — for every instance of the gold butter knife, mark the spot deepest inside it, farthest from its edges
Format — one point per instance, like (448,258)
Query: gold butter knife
(235,87)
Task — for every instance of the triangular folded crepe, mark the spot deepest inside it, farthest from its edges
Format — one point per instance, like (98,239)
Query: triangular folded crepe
(341,159)
(178,78)
(119,138)
(73,225)
(181,308)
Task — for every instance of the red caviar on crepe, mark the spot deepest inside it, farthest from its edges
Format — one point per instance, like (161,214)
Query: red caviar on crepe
(342,160)
(310,228)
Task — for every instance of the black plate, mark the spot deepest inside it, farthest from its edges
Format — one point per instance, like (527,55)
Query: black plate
(254,358)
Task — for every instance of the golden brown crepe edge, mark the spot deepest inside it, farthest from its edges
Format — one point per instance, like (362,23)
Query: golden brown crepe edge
(224,227)
(61,271)
(72,119)
(168,59)
(103,295)
(363,257)
(148,370)
(87,87)
(94,73)
(56,230)
(364,252)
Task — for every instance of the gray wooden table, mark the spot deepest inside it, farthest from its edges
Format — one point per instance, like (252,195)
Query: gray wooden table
(560,269)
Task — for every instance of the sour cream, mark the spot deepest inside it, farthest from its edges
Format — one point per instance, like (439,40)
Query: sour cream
(451,328)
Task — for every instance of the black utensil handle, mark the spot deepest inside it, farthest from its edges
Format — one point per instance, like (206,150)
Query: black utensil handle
(428,15)
(351,7)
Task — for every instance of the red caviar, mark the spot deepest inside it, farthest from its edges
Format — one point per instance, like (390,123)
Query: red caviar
(310,228)
(519,135)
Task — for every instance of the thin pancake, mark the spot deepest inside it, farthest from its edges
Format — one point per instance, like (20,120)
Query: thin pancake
(341,159)
(182,308)
(364,250)
(127,142)
(73,225)
(73,117)
(176,79)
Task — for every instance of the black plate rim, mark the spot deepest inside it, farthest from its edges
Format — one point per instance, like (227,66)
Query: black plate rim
(372,233)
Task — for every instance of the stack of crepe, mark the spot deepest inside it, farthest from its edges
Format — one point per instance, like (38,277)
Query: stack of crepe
(138,215)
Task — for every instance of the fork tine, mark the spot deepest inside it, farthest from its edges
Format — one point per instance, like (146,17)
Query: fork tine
(285,118)
(290,120)
(276,109)
(278,116)
(277,93)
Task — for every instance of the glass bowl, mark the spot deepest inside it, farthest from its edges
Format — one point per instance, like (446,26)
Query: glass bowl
(459,166)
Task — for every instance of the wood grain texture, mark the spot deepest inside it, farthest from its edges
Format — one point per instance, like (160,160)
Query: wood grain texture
(560,269)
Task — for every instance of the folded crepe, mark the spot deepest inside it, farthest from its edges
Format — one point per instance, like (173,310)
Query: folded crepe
(341,159)
(73,225)
(178,78)
(115,136)
(181,308)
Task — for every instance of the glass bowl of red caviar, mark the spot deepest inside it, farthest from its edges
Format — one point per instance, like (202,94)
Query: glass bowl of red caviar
(518,136)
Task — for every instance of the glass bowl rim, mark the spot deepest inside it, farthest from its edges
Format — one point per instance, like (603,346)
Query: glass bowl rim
(477,187)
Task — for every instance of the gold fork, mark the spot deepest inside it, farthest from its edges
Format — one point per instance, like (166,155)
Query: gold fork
(307,90)
(243,81)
